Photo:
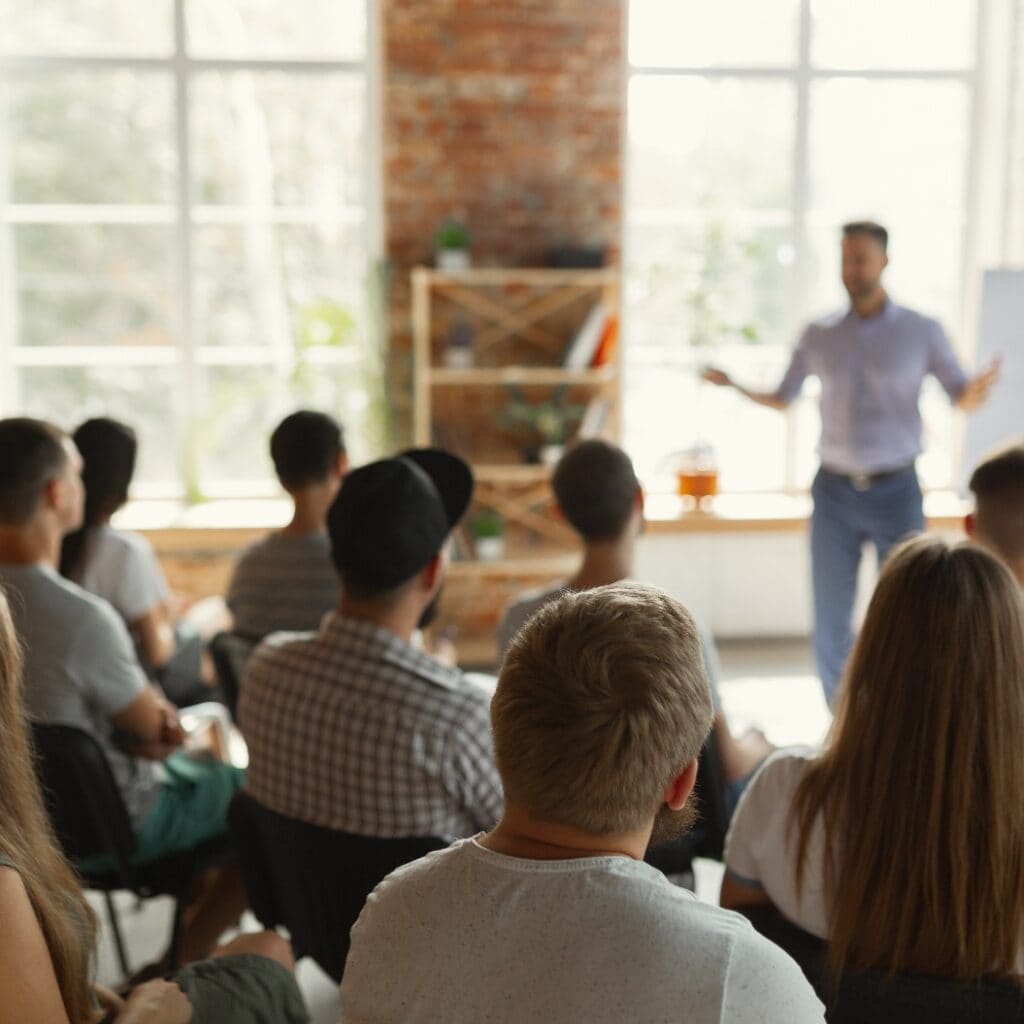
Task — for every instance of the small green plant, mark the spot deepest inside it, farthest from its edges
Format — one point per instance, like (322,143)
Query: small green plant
(488,524)
(451,235)
(550,421)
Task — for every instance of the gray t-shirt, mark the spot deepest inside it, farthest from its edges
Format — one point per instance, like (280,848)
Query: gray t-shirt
(469,935)
(80,669)
(283,583)
(122,568)
(531,601)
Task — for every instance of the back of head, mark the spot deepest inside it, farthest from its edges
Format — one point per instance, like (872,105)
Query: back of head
(305,448)
(596,488)
(26,839)
(31,454)
(922,784)
(108,449)
(602,700)
(998,488)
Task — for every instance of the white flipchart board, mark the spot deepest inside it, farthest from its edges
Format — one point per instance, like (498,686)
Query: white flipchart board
(1001,333)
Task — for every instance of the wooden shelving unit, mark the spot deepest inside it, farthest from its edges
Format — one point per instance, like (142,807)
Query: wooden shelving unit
(522,323)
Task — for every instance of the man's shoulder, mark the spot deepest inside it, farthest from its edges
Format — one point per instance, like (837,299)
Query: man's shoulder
(915,322)
(65,604)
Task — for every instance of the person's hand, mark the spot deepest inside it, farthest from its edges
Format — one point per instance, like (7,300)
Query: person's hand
(156,1002)
(974,395)
(172,736)
(715,376)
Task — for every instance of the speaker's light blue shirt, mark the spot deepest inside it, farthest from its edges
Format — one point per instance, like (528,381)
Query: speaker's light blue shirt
(871,371)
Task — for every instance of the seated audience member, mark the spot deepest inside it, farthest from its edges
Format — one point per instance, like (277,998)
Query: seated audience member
(287,581)
(600,497)
(122,568)
(902,843)
(352,727)
(81,670)
(48,937)
(997,522)
(601,708)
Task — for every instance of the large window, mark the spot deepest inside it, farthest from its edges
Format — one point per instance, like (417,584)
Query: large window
(185,224)
(755,130)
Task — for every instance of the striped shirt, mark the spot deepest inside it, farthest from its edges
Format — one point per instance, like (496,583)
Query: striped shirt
(283,582)
(352,728)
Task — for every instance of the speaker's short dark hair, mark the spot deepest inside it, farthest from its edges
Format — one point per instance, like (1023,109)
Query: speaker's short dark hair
(596,486)
(998,487)
(32,453)
(305,447)
(870,228)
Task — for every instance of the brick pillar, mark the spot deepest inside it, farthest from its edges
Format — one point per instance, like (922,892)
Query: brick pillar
(507,115)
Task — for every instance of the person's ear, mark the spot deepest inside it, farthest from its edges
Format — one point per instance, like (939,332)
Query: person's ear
(885,261)
(970,527)
(678,791)
(639,500)
(52,496)
(432,572)
(341,467)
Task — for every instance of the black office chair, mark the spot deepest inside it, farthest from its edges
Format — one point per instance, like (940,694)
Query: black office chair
(90,818)
(229,652)
(871,997)
(312,880)
(707,838)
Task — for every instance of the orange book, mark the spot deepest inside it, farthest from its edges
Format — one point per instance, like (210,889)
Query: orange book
(609,339)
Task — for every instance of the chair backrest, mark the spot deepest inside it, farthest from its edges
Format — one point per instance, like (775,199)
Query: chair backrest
(85,806)
(313,880)
(871,997)
(229,652)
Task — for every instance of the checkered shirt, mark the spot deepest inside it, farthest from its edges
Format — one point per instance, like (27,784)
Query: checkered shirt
(353,729)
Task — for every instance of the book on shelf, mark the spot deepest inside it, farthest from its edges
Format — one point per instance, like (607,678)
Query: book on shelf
(594,418)
(585,343)
(609,340)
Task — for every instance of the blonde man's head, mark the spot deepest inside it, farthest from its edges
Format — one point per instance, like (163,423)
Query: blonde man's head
(602,701)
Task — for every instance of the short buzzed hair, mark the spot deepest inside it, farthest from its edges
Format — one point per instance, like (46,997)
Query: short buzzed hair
(601,702)
(32,453)
(305,447)
(870,228)
(595,486)
(998,487)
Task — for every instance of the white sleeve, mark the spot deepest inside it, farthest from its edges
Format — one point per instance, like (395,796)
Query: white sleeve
(746,830)
(140,583)
(765,986)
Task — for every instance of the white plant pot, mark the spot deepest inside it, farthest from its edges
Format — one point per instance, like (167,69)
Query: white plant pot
(458,357)
(551,453)
(452,259)
(489,549)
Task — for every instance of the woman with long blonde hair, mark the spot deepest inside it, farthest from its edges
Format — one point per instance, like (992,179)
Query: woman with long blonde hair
(902,843)
(48,931)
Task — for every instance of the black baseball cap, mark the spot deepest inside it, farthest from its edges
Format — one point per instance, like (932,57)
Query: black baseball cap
(391,517)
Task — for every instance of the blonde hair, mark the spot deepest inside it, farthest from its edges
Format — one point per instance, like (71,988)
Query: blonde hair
(921,786)
(602,700)
(67,923)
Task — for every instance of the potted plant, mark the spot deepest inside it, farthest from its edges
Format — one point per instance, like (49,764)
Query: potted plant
(488,529)
(549,423)
(451,246)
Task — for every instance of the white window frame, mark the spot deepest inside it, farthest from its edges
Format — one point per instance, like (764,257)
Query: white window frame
(185,215)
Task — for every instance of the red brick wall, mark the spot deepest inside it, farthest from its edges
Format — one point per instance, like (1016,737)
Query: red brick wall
(506,114)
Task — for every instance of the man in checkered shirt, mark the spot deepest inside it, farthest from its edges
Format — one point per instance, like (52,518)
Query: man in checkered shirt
(352,727)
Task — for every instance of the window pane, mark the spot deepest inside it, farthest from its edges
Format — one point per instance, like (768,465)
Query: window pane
(143,397)
(241,405)
(93,284)
(882,147)
(86,27)
(91,137)
(254,281)
(267,138)
(326,29)
(695,143)
(709,252)
(893,33)
(671,33)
